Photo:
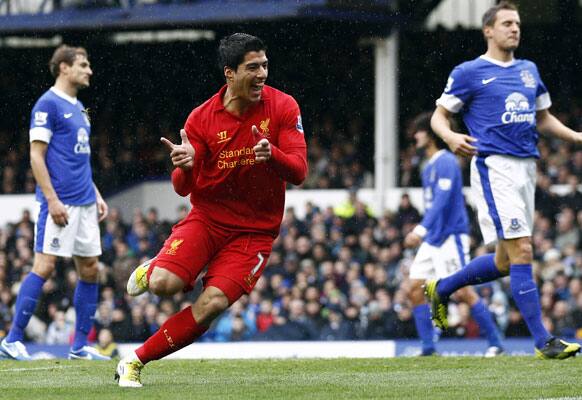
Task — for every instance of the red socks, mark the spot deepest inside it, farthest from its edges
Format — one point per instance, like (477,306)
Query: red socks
(177,332)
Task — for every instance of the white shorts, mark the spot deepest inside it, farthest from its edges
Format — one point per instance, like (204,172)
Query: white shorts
(80,237)
(504,193)
(433,262)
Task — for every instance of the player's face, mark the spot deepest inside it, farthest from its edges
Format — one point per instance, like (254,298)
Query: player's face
(505,32)
(80,72)
(421,138)
(249,78)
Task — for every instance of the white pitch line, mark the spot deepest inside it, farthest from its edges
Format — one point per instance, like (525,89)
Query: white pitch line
(36,368)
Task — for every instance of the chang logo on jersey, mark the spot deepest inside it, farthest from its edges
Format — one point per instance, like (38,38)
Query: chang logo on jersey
(515,105)
(82,146)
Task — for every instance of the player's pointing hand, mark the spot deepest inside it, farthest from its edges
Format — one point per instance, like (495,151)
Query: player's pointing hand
(182,155)
(262,149)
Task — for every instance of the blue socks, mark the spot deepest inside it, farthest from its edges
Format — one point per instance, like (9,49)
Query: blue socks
(485,320)
(525,295)
(25,304)
(85,301)
(424,327)
(480,270)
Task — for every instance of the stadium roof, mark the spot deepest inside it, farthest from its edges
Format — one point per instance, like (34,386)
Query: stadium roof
(195,13)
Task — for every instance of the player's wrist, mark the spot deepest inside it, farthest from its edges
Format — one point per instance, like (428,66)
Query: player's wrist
(419,230)
(51,198)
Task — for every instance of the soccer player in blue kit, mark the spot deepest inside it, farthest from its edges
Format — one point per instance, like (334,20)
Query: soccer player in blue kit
(443,237)
(504,104)
(69,204)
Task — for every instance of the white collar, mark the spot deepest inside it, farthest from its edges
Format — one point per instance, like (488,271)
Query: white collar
(63,95)
(503,64)
(436,155)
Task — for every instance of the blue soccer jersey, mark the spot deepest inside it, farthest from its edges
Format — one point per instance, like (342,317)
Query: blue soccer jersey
(498,102)
(444,205)
(60,121)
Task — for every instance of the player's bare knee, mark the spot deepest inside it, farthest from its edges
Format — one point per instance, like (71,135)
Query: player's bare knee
(521,251)
(88,269)
(161,286)
(526,251)
(163,283)
(43,265)
(212,306)
(218,303)
(502,265)
(89,275)
(416,294)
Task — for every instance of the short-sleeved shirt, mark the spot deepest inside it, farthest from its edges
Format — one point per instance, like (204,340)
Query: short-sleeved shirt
(62,122)
(230,189)
(498,102)
(445,212)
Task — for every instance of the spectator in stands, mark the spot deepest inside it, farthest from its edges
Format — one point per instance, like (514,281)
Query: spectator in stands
(336,328)
(106,345)
(59,330)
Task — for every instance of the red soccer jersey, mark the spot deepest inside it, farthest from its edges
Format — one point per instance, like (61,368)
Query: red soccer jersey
(226,186)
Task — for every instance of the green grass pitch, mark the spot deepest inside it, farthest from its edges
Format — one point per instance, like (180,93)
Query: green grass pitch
(395,378)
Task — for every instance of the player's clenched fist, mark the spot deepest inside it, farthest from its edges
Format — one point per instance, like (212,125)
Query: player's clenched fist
(262,149)
(182,155)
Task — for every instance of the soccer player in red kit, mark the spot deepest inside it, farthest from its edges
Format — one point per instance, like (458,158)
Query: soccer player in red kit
(238,150)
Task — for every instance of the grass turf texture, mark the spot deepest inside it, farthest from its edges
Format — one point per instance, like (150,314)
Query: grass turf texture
(397,378)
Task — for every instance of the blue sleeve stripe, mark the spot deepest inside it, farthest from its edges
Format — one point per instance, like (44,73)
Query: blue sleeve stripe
(40,227)
(488,193)
(460,249)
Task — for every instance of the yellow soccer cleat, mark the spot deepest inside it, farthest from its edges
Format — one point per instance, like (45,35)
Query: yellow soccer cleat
(138,282)
(557,349)
(438,308)
(128,373)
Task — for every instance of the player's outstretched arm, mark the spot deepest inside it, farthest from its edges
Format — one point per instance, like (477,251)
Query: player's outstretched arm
(548,123)
(56,208)
(459,143)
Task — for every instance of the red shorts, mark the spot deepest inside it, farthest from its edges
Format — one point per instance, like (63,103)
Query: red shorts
(231,257)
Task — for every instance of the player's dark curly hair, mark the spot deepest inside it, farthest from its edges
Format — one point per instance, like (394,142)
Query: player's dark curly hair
(66,54)
(232,49)
(422,123)
(491,14)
